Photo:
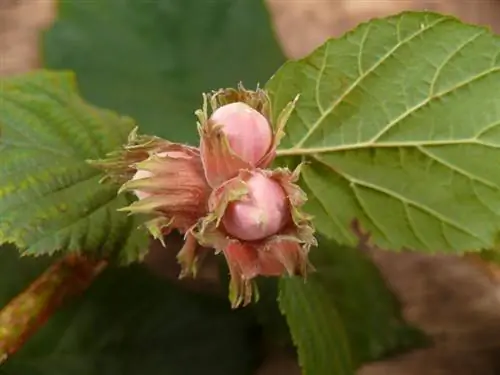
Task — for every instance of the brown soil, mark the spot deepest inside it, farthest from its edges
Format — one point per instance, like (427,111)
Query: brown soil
(455,302)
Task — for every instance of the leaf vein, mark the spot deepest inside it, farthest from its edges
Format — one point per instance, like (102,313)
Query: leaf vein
(334,218)
(361,47)
(32,147)
(356,82)
(446,61)
(359,146)
(320,76)
(413,227)
(453,167)
(362,205)
(412,110)
(74,223)
(397,196)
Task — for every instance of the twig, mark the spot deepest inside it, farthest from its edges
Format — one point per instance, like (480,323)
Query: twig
(29,311)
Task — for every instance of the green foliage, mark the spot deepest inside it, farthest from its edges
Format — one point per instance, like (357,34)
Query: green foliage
(399,121)
(153,59)
(344,311)
(316,328)
(130,322)
(50,197)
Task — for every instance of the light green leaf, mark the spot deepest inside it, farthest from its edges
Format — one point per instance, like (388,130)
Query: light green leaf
(50,197)
(400,121)
(153,59)
(130,322)
(348,288)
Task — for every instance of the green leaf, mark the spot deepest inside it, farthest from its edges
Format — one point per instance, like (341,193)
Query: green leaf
(344,311)
(50,197)
(130,322)
(400,121)
(316,328)
(153,59)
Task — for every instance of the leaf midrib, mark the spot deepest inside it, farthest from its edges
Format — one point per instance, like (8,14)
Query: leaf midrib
(373,142)
(366,145)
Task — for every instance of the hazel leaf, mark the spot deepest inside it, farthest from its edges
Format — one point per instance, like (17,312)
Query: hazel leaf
(343,315)
(51,199)
(399,121)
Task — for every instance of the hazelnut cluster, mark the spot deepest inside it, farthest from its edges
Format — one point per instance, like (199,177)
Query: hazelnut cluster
(223,194)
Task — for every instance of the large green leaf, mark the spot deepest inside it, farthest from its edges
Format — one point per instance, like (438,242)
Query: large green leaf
(400,121)
(343,315)
(153,59)
(130,322)
(50,197)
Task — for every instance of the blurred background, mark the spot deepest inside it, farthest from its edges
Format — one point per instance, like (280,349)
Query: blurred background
(300,25)
(453,301)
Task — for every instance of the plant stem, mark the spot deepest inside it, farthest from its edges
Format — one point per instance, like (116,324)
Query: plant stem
(29,311)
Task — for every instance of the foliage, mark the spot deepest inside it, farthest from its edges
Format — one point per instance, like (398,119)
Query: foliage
(403,154)
(407,149)
(117,328)
(153,59)
(51,198)
(343,312)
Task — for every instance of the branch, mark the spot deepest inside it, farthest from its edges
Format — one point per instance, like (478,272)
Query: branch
(28,311)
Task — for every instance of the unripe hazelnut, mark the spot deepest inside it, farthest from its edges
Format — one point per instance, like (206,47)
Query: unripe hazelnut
(140,174)
(262,213)
(248,131)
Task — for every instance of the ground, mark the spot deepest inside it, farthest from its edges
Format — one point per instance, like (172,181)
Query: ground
(452,299)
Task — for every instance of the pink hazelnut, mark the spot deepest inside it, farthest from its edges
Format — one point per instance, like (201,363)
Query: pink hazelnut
(262,213)
(140,174)
(248,131)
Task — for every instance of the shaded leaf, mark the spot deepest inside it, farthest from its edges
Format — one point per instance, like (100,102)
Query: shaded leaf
(130,322)
(50,197)
(399,120)
(316,328)
(371,313)
(153,59)
(345,296)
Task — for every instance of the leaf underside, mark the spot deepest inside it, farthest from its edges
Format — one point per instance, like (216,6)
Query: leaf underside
(400,123)
(50,197)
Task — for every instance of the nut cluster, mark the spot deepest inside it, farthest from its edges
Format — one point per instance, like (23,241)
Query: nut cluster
(223,194)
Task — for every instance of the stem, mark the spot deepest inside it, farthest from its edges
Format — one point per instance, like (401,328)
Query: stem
(29,311)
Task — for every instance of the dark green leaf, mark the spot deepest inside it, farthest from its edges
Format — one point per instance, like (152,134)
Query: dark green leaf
(316,328)
(400,121)
(153,59)
(346,290)
(129,322)
(369,310)
(50,197)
